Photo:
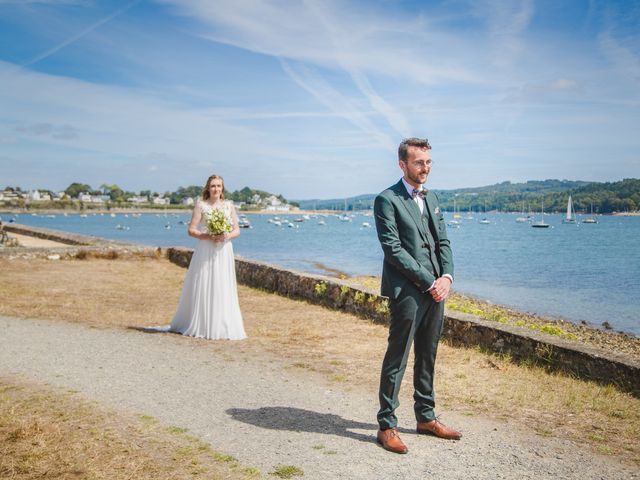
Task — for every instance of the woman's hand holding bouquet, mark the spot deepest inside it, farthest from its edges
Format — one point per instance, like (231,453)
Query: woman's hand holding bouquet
(218,225)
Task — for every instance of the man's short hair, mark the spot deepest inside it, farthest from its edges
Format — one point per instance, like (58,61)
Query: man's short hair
(403,149)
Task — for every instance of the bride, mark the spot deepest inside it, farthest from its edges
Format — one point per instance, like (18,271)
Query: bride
(208,305)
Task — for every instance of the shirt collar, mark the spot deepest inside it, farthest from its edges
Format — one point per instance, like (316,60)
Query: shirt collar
(409,187)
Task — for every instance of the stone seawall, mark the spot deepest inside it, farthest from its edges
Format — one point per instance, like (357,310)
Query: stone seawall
(59,236)
(521,343)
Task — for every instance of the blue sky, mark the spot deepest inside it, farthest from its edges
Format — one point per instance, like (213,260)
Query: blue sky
(311,98)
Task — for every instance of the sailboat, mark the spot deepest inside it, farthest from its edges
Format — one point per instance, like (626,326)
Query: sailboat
(485,220)
(571,214)
(590,219)
(523,219)
(456,214)
(470,214)
(455,222)
(344,217)
(541,223)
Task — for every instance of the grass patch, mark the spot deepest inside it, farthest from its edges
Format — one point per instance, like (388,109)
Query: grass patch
(251,472)
(287,471)
(221,457)
(463,304)
(177,430)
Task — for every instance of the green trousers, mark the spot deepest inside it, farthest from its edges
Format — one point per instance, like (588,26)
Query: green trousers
(415,318)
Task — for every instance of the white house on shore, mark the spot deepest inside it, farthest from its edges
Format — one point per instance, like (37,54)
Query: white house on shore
(138,199)
(88,198)
(160,201)
(188,202)
(38,196)
(274,204)
(8,195)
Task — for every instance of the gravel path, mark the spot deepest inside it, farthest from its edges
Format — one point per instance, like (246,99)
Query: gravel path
(265,415)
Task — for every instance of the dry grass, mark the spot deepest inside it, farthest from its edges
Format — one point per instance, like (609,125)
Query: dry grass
(48,433)
(99,292)
(345,349)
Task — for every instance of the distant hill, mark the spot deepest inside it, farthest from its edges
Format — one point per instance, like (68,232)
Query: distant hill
(506,196)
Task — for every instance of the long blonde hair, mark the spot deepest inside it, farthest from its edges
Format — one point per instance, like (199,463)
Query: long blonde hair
(205,190)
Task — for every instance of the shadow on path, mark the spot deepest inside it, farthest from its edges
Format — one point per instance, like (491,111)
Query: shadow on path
(160,329)
(300,420)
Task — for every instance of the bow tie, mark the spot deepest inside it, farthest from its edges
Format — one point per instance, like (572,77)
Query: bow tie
(420,193)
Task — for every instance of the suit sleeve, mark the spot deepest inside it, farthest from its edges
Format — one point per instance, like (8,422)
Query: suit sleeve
(446,256)
(394,253)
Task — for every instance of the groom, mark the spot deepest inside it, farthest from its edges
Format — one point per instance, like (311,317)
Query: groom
(416,276)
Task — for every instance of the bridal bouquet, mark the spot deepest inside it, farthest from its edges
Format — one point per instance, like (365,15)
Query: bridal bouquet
(217,223)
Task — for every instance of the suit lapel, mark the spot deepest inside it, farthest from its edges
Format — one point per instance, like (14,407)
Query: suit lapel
(432,217)
(411,207)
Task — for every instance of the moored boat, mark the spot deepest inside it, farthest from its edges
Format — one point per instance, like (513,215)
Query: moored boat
(571,215)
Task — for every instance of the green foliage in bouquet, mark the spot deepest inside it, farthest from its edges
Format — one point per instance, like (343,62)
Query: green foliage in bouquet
(217,223)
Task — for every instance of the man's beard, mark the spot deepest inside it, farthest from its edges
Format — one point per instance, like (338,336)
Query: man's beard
(417,179)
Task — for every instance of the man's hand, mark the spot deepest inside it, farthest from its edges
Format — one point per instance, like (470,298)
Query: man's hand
(440,289)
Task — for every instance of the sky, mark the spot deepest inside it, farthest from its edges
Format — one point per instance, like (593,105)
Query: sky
(310,98)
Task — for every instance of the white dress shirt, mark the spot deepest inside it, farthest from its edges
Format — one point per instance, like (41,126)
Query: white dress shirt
(418,199)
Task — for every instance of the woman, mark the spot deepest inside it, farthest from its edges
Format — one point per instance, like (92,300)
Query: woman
(208,305)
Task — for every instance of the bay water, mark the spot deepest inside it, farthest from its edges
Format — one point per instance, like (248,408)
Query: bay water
(579,272)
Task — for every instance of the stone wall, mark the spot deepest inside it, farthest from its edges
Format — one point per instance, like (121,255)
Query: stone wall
(548,351)
(57,235)
(317,289)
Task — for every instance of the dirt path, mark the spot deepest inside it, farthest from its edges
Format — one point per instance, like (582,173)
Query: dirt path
(35,242)
(266,415)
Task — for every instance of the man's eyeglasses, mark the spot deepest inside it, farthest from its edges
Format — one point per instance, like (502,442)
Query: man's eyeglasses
(422,164)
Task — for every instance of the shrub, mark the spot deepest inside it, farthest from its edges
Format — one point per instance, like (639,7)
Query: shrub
(320,289)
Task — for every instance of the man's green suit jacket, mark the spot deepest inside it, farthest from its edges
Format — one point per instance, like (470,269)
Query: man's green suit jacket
(404,239)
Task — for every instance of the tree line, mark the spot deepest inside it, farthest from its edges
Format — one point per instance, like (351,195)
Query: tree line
(119,196)
(610,197)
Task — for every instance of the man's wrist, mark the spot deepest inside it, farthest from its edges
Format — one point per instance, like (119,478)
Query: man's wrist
(430,288)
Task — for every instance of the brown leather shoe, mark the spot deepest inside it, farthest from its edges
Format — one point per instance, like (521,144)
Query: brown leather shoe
(434,427)
(390,440)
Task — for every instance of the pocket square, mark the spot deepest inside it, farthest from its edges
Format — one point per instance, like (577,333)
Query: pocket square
(436,210)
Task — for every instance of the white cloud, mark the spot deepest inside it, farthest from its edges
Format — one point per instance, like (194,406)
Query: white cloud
(335,101)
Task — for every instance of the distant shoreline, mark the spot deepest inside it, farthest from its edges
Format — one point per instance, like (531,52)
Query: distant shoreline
(160,211)
(172,211)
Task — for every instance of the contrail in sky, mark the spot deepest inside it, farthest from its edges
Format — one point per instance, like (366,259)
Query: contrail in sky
(81,34)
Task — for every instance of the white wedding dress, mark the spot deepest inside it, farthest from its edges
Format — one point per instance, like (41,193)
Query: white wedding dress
(208,306)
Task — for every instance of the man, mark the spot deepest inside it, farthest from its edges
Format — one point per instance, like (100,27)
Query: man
(416,276)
